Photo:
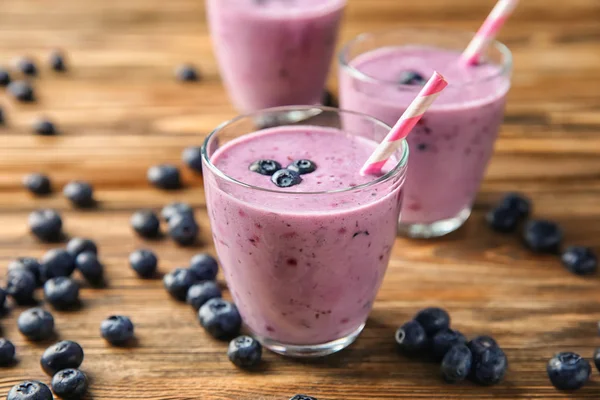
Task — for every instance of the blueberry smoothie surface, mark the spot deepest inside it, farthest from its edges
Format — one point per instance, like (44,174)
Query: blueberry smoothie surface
(274,52)
(303,267)
(453,142)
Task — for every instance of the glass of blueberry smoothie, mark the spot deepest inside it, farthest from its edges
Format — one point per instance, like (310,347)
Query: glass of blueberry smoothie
(381,73)
(274,52)
(303,238)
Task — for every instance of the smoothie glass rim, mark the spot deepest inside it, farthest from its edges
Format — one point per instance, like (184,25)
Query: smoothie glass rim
(345,63)
(400,165)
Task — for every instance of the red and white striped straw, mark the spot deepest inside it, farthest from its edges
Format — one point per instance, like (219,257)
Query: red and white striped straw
(405,124)
(488,31)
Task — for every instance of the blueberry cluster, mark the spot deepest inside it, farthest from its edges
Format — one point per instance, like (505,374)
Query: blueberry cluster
(283,177)
(540,236)
(179,217)
(429,333)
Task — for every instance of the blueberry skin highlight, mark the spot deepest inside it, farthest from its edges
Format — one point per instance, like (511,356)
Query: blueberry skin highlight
(411,338)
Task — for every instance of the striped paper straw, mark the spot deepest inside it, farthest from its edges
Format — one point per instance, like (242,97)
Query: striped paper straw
(405,124)
(488,31)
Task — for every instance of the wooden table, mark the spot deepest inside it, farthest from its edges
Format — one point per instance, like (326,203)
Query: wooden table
(119,111)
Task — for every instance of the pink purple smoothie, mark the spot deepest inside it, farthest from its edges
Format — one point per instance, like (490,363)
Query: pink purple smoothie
(452,144)
(274,52)
(303,268)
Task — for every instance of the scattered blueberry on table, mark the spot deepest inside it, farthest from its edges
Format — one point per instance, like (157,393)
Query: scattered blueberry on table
(456,363)
(204,266)
(411,338)
(70,384)
(7,352)
(178,282)
(199,293)
(46,224)
(62,355)
(21,91)
(543,236)
(36,324)
(192,157)
(183,229)
(57,61)
(57,262)
(145,223)
(61,292)
(175,208)
(303,397)
(90,267)
(186,73)
(285,178)
(244,352)
(164,176)
(4,77)
(117,329)
(38,184)
(503,219)
(20,285)
(265,167)
(26,66)
(597,358)
(44,127)
(302,166)
(433,320)
(80,245)
(580,260)
(568,371)
(30,390)
(144,262)
(79,193)
(220,318)
(29,264)
(517,202)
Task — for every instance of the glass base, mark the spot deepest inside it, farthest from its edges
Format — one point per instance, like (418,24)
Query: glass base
(310,350)
(435,229)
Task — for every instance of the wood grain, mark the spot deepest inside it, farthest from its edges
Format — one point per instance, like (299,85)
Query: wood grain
(119,111)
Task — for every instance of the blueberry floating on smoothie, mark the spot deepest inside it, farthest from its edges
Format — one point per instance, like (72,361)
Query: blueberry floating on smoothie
(568,371)
(286,178)
(412,78)
(265,167)
(302,166)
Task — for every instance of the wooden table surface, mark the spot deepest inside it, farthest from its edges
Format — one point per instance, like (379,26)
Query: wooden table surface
(119,111)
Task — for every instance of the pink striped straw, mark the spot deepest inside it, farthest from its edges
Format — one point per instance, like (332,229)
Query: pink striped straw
(405,124)
(488,31)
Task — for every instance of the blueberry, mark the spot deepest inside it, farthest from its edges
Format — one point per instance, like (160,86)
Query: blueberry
(27,66)
(22,91)
(2,300)
(286,178)
(479,344)
(61,355)
(117,329)
(145,223)
(37,184)
(44,127)
(456,364)
(57,262)
(518,203)
(2,118)
(328,99)
(568,371)
(80,193)
(7,352)
(411,337)
(503,219)
(220,318)
(444,340)
(175,208)
(36,324)
(186,73)
(199,293)
(183,229)
(489,367)
(30,390)
(4,77)
(265,167)
(204,266)
(302,166)
(433,320)
(70,384)
(57,61)
(412,78)
(143,262)
(62,292)
(79,245)
(46,224)
(580,260)
(20,285)
(597,358)
(422,146)
(27,263)
(192,157)
(178,282)
(543,236)
(164,176)
(303,397)
(244,351)
(90,267)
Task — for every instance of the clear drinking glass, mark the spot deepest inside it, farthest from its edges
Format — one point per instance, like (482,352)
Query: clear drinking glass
(303,267)
(452,144)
